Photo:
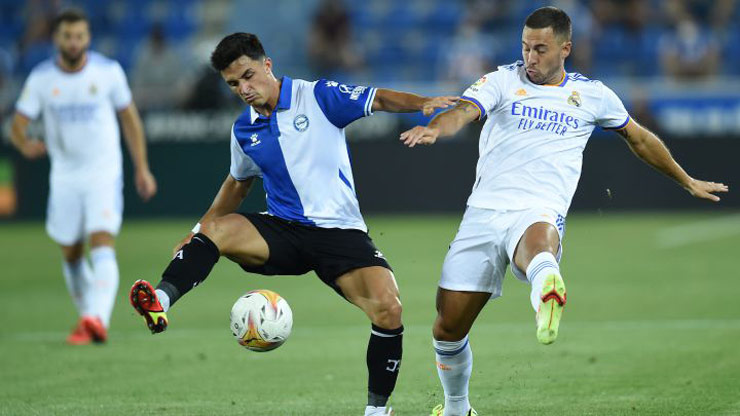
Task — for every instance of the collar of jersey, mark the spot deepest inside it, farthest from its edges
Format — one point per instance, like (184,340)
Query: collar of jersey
(284,100)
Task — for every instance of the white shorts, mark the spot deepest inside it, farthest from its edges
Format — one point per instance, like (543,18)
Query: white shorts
(485,245)
(74,211)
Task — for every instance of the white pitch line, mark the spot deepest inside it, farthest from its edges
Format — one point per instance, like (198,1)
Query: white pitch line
(698,232)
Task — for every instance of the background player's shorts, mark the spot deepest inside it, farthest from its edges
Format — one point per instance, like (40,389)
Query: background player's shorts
(485,245)
(296,249)
(76,210)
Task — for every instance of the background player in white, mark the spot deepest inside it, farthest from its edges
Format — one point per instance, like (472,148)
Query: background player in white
(291,134)
(539,120)
(79,93)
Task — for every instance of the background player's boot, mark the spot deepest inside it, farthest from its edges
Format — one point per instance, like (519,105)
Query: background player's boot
(145,301)
(552,301)
(439,410)
(94,326)
(79,335)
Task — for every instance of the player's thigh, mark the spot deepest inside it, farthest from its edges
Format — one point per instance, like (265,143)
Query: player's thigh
(374,290)
(456,313)
(103,208)
(534,231)
(65,214)
(237,239)
(474,262)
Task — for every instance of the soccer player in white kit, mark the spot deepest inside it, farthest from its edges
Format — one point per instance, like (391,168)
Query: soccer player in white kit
(539,120)
(79,93)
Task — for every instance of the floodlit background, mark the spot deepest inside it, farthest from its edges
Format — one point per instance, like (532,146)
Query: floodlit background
(651,327)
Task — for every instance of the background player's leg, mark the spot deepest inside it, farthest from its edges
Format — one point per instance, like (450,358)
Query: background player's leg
(374,290)
(456,312)
(104,284)
(77,275)
(232,236)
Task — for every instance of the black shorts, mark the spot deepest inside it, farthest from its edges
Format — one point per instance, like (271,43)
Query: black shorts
(296,249)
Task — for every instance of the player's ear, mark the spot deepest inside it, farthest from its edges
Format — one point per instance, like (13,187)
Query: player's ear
(565,50)
(267,64)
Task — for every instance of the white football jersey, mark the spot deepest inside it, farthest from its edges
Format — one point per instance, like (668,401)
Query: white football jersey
(79,113)
(531,146)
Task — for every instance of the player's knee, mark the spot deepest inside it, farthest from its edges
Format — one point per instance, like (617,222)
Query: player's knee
(445,330)
(387,313)
(216,230)
(72,253)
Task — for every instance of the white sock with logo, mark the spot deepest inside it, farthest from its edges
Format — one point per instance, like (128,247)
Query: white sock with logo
(104,284)
(164,299)
(454,366)
(541,266)
(77,276)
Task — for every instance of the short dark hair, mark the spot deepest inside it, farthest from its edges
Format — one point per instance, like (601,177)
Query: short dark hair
(71,15)
(552,17)
(235,45)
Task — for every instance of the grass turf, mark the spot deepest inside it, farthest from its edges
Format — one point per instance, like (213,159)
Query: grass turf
(651,328)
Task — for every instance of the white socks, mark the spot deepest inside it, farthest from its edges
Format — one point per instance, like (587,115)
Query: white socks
(541,266)
(164,299)
(104,283)
(454,366)
(77,276)
(375,411)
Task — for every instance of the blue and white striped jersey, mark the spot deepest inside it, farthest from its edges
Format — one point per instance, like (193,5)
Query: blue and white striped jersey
(301,153)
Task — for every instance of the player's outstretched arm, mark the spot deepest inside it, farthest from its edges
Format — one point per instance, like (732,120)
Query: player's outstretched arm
(404,102)
(29,148)
(227,201)
(133,132)
(445,124)
(648,147)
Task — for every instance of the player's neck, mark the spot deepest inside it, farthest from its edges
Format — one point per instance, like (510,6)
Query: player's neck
(271,104)
(67,66)
(557,78)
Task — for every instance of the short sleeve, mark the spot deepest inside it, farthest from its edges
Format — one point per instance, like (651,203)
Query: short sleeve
(343,104)
(242,166)
(29,103)
(120,91)
(612,114)
(485,93)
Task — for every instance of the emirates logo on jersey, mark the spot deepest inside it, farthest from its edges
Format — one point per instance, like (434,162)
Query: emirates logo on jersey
(575,99)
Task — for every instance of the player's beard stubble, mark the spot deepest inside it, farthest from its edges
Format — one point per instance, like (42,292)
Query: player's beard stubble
(72,58)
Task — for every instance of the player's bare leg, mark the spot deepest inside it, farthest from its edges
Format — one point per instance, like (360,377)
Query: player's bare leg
(374,290)
(456,312)
(535,253)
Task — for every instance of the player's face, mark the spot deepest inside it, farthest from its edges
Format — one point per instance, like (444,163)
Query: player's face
(250,79)
(544,55)
(72,39)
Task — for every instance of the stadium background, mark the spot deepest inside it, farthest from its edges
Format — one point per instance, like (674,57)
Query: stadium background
(635,240)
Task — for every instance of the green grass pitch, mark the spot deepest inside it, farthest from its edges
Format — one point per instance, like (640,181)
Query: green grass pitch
(651,328)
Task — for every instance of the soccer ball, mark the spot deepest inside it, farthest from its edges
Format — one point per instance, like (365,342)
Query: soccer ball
(261,320)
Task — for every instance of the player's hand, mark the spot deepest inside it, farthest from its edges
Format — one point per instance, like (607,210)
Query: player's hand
(33,149)
(182,242)
(419,135)
(146,185)
(706,190)
(438,102)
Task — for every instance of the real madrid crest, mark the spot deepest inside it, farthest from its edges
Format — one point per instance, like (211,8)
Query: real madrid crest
(575,99)
(300,122)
